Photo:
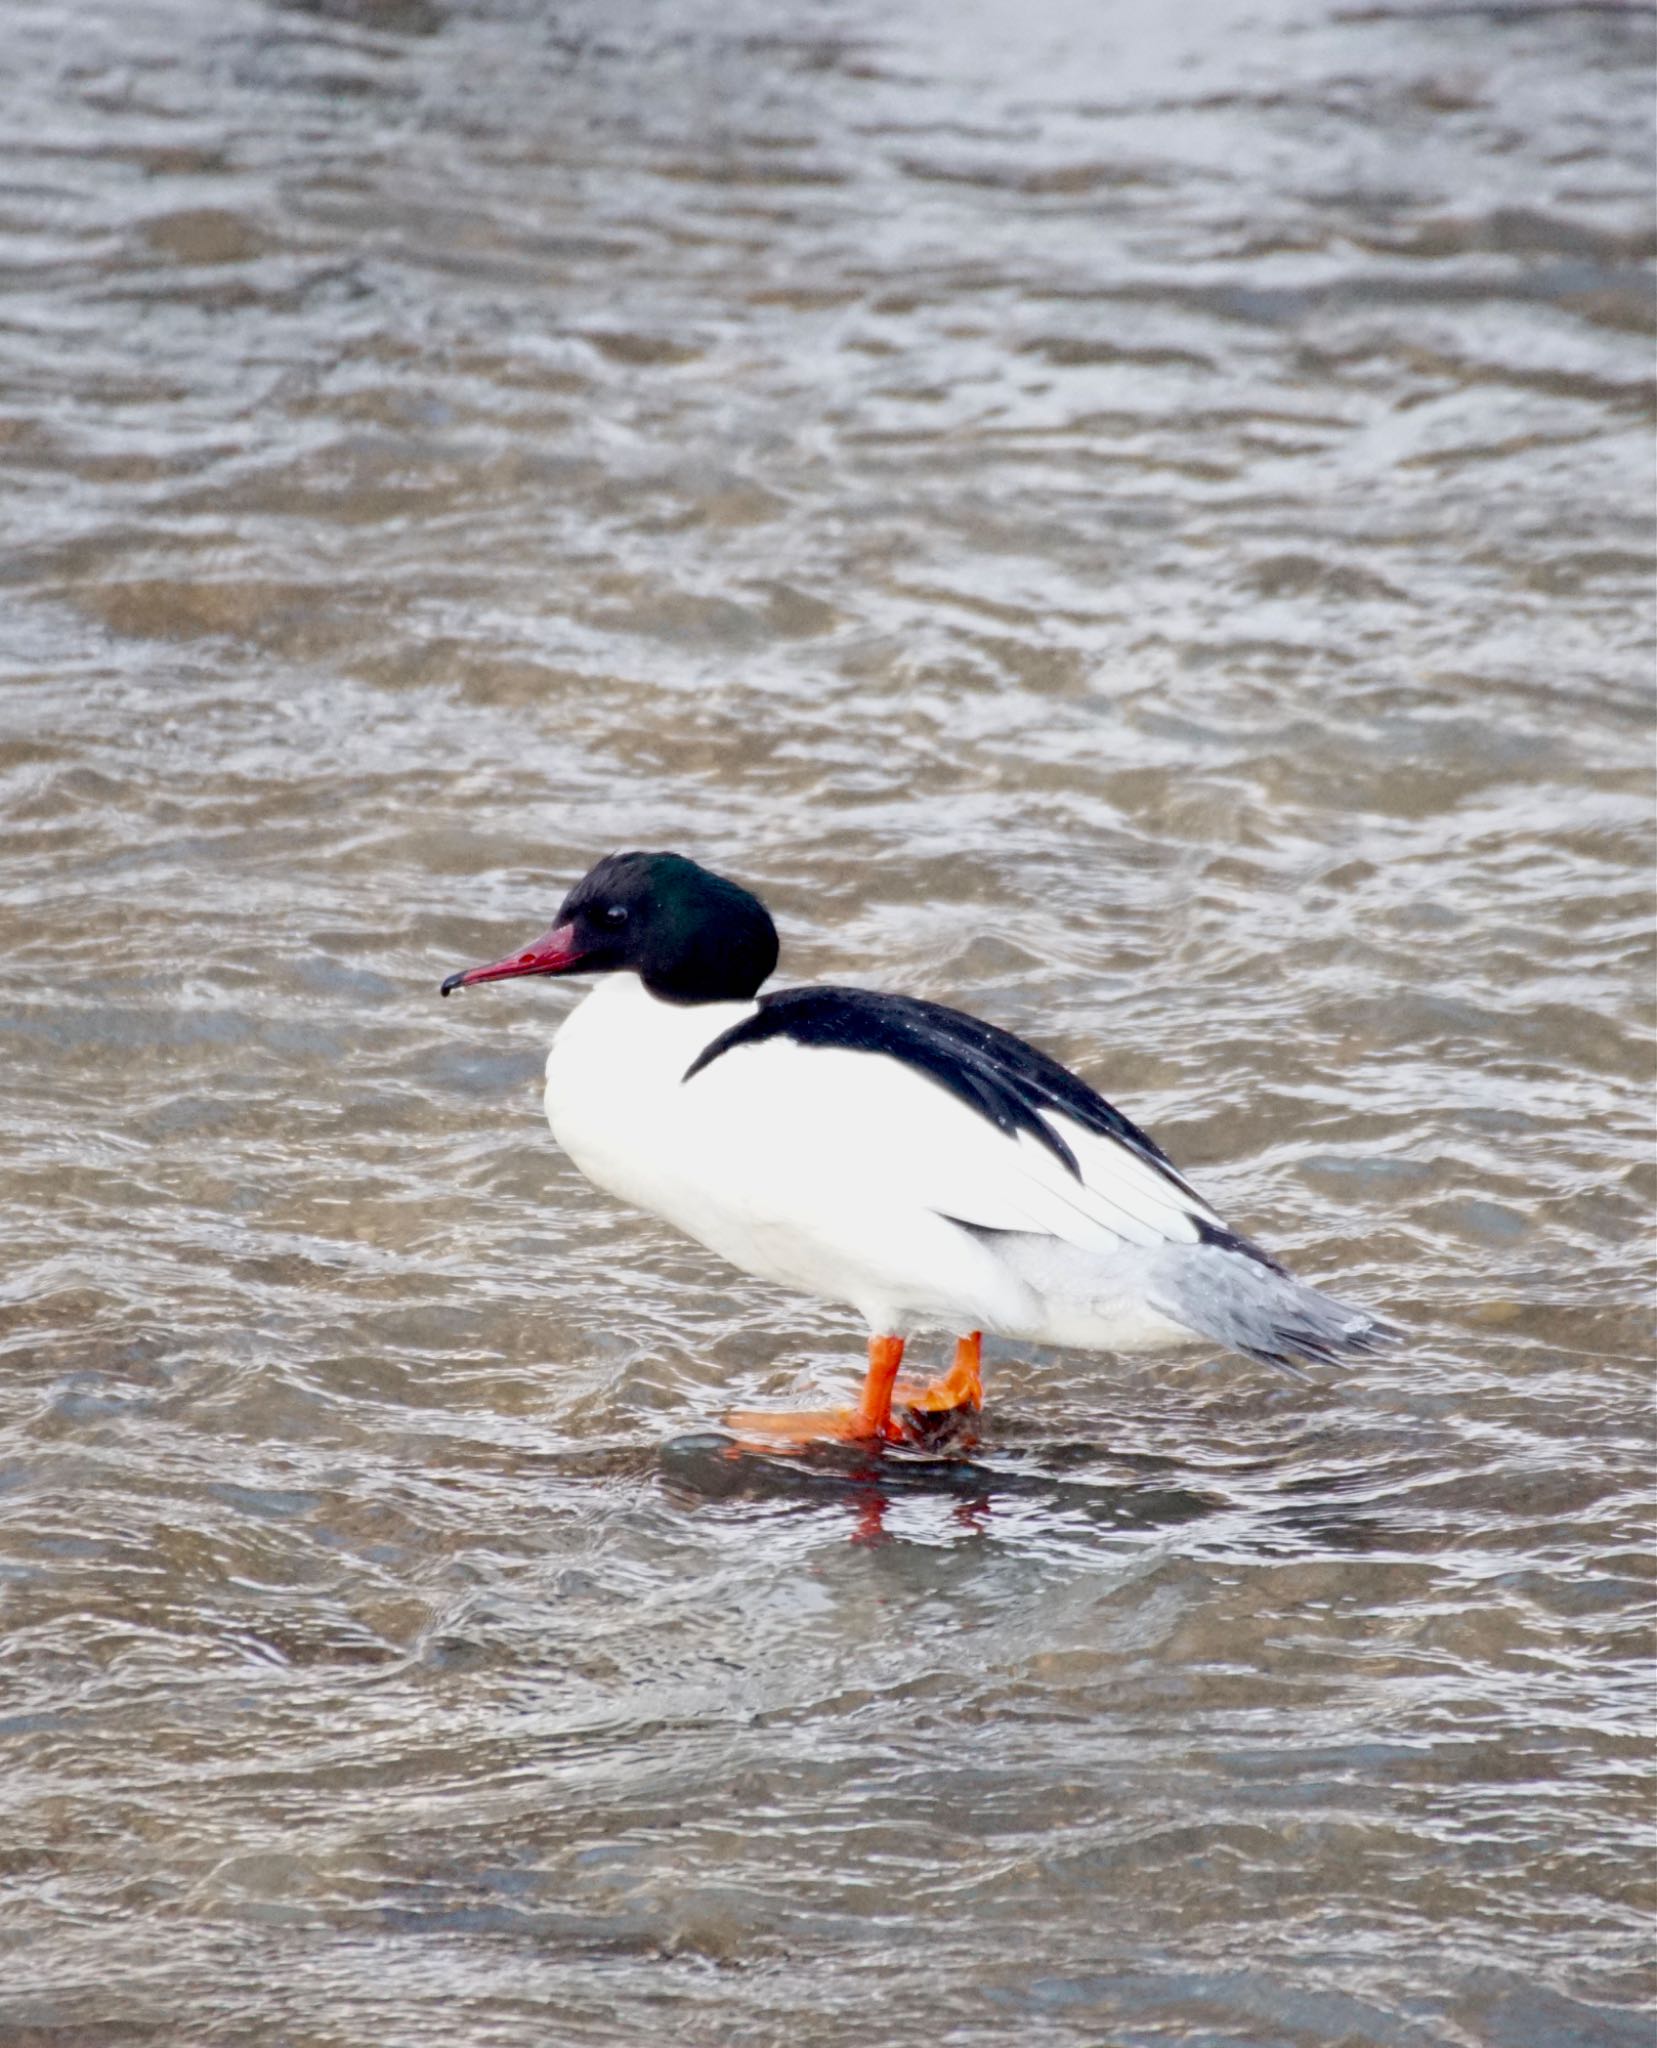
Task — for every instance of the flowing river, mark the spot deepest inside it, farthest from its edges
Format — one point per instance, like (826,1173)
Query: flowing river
(1136,522)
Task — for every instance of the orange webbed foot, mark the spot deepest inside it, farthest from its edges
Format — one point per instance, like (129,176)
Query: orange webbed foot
(946,1407)
(795,1429)
(870,1422)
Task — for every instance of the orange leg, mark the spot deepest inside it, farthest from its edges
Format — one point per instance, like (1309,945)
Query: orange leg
(961,1390)
(869,1422)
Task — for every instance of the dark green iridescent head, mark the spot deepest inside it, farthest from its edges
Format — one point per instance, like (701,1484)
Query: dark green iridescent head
(690,935)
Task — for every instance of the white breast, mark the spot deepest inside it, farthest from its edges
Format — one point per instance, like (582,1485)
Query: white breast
(614,1090)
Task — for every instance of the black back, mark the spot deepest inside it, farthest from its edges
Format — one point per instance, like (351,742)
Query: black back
(990,1070)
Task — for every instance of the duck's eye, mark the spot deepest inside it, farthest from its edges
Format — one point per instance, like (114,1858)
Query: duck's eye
(614,915)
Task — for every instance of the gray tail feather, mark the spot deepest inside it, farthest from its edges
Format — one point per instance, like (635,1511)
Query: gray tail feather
(1240,1298)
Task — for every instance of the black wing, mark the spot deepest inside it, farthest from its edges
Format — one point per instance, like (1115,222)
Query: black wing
(990,1070)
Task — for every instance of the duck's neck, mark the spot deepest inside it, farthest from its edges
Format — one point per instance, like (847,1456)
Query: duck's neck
(622,1022)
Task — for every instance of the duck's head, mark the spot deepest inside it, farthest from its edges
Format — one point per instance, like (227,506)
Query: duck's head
(690,936)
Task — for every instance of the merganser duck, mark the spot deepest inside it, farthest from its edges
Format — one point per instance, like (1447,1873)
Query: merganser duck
(930,1170)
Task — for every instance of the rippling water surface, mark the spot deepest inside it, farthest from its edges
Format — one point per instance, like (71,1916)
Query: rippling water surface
(1137,522)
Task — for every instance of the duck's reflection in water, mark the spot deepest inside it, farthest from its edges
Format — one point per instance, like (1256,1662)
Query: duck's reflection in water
(960,1494)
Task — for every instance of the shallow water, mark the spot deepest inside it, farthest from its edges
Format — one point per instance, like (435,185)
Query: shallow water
(1142,529)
